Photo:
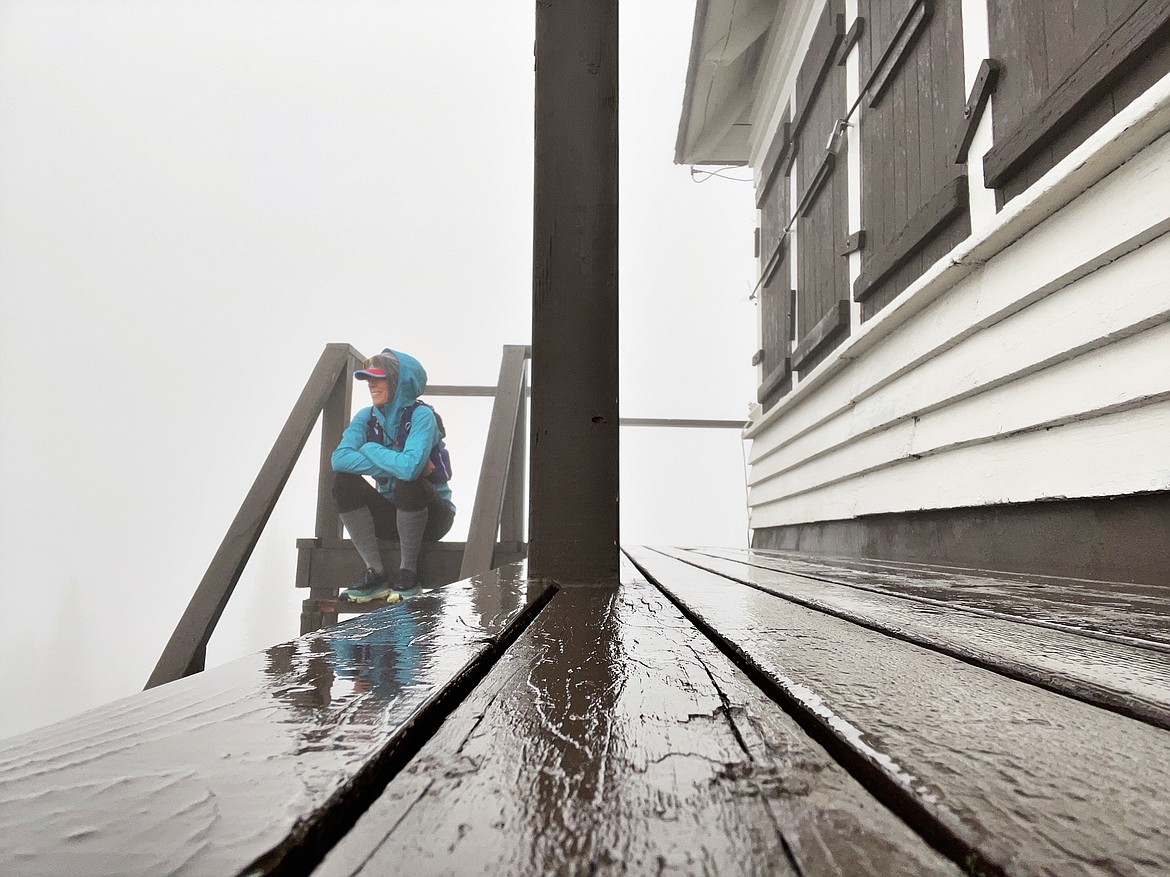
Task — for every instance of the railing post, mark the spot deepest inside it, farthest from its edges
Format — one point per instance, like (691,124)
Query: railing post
(489,495)
(573,505)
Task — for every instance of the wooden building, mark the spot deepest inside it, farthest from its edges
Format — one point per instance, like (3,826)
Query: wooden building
(964,304)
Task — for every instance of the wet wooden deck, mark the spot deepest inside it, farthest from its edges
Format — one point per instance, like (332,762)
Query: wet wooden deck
(722,712)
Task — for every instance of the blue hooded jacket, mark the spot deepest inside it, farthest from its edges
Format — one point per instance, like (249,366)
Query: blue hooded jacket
(360,457)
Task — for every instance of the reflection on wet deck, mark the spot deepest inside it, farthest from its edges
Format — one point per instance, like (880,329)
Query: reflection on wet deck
(721,711)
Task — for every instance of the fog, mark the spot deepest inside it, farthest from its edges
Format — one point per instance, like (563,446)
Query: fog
(196,197)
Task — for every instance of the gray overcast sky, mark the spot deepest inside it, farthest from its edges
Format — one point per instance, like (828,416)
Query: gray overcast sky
(195,197)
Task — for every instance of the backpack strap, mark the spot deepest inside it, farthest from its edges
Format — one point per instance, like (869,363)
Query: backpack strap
(405,421)
(439,457)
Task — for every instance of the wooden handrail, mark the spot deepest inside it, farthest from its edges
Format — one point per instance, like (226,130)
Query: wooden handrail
(185,651)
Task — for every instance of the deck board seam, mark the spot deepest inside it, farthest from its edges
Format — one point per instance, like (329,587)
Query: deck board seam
(1090,633)
(299,855)
(793,861)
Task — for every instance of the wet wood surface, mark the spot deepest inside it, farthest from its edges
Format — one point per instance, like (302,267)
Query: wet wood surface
(1129,679)
(243,766)
(1013,778)
(1123,612)
(611,738)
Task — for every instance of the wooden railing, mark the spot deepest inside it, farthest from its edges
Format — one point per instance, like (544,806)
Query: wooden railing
(497,512)
(328,394)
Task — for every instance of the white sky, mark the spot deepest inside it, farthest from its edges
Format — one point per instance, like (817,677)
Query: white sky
(195,197)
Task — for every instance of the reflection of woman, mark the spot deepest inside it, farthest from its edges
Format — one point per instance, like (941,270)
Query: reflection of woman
(377,654)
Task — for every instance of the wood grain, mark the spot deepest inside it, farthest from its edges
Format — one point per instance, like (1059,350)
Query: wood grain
(611,739)
(242,767)
(1022,780)
(1064,635)
(943,206)
(1119,48)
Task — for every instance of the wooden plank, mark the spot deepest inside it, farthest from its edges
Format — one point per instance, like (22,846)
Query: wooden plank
(827,329)
(336,563)
(1120,48)
(890,62)
(1107,380)
(215,588)
(758,356)
(573,474)
(1010,777)
(244,768)
(683,423)
(792,316)
(465,390)
(774,261)
(493,473)
(774,159)
(513,514)
(819,178)
(626,745)
(852,37)
(335,417)
(852,243)
(1117,612)
(1117,538)
(940,209)
(818,62)
(986,621)
(775,379)
(981,91)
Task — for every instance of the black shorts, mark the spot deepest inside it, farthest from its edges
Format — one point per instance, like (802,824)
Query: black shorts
(354,492)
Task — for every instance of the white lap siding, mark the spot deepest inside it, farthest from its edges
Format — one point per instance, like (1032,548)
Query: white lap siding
(1037,368)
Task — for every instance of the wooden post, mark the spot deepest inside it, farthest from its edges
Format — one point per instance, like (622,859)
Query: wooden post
(573,504)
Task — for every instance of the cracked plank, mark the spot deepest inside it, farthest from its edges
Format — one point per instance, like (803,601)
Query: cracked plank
(613,738)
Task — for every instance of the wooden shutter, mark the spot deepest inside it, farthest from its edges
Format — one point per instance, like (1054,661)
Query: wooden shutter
(776,306)
(1068,67)
(913,195)
(822,276)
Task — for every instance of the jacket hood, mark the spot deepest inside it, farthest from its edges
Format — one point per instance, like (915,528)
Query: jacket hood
(412,380)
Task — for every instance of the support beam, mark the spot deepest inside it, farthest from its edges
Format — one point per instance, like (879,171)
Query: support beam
(573,510)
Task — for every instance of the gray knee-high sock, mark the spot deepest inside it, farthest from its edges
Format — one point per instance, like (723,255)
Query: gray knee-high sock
(410,536)
(360,524)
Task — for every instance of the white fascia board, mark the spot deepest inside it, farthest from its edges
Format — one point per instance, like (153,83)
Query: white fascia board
(718,90)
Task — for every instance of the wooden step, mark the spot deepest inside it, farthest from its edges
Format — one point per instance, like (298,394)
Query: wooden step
(326,566)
